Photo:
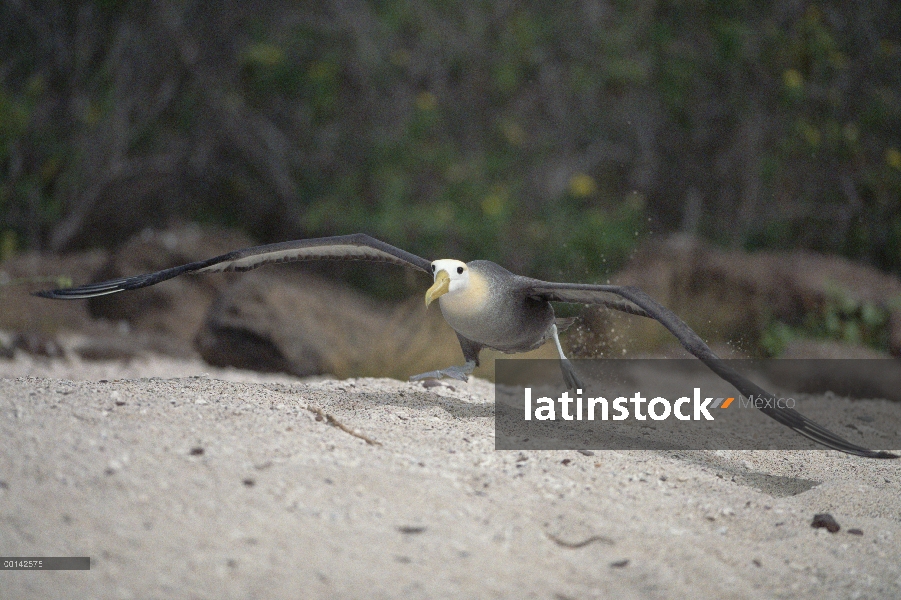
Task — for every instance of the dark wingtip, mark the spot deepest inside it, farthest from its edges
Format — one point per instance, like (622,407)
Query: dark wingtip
(881,454)
(858,451)
(46,294)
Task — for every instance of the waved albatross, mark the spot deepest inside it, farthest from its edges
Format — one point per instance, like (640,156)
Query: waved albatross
(486,305)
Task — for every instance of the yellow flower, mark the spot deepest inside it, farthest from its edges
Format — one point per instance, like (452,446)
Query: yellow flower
(811,134)
(793,79)
(513,133)
(426,101)
(8,244)
(267,55)
(893,158)
(493,203)
(582,185)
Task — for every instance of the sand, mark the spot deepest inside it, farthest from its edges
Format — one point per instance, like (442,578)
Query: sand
(184,481)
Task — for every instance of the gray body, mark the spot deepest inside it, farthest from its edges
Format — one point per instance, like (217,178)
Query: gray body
(513,322)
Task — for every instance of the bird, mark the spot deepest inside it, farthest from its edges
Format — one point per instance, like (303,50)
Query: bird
(487,306)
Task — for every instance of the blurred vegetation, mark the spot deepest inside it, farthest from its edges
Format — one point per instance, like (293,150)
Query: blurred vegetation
(547,136)
(842,319)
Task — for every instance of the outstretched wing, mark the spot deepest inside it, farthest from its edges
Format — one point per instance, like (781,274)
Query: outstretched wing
(345,247)
(583,293)
(634,298)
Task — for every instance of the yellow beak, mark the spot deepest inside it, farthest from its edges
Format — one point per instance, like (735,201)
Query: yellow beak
(439,288)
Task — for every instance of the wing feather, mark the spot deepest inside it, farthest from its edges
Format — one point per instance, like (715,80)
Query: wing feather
(584,293)
(691,341)
(346,247)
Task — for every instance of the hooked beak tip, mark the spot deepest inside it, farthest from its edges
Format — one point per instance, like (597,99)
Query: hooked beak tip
(439,288)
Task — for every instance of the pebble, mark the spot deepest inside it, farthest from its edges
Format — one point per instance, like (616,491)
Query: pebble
(825,520)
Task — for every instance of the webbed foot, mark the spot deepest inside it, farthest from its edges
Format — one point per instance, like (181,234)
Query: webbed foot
(454,372)
(570,378)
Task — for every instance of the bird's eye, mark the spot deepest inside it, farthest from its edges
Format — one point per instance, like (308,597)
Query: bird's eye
(460,270)
(433,268)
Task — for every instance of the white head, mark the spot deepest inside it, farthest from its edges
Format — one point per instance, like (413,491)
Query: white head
(450,275)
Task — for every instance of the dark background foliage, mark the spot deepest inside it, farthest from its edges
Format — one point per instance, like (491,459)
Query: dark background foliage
(548,136)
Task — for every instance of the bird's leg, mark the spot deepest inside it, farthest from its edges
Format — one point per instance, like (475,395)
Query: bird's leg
(470,353)
(570,378)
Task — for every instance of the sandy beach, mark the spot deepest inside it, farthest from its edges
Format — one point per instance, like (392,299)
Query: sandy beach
(231,233)
(181,480)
